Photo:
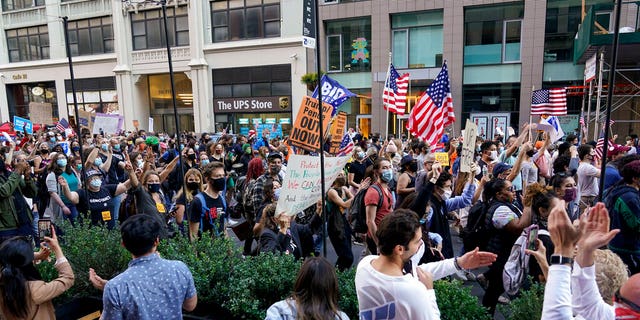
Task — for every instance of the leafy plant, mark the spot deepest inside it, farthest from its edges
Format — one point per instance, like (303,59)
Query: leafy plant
(527,306)
(456,302)
(348,300)
(311,80)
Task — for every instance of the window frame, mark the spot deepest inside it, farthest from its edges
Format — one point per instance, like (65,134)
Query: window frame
(34,4)
(172,18)
(264,4)
(42,35)
(504,41)
(329,70)
(407,37)
(89,27)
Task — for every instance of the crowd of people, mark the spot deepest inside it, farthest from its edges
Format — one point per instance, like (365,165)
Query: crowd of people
(152,186)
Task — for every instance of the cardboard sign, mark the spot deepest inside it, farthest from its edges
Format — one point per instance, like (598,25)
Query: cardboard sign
(306,132)
(107,123)
(443,158)
(40,113)
(301,187)
(22,124)
(468,146)
(337,131)
(85,119)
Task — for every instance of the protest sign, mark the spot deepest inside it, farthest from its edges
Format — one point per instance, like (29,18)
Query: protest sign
(150,129)
(107,123)
(85,119)
(337,131)
(22,124)
(40,113)
(301,187)
(468,146)
(306,133)
(333,93)
(443,158)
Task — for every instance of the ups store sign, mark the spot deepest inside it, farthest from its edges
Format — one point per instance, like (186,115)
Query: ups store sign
(258,104)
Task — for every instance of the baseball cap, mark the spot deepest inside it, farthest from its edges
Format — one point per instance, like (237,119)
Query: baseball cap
(406,160)
(499,168)
(90,173)
(617,149)
(274,155)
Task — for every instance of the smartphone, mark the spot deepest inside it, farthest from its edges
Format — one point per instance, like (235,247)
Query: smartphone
(532,237)
(44,228)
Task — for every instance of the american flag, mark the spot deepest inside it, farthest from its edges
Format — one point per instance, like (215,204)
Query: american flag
(62,124)
(434,110)
(582,121)
(611,121)
(394,95)
(346,145)
(549,101)
(600,146)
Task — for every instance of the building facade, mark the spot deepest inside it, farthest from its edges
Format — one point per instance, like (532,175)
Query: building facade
(237,63)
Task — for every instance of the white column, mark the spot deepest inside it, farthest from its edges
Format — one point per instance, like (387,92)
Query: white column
(57,49)
(199,34)
(125,82)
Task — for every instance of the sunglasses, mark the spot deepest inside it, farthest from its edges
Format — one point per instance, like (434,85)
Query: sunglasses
(619,298)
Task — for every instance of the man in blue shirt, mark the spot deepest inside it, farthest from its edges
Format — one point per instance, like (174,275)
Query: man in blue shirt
(152,287)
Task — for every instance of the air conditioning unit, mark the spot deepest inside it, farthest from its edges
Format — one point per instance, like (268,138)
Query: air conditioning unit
(490,100)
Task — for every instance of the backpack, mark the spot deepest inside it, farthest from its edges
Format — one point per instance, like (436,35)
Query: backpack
(517,267)
(476,232)
(358,211)
(247,199)
(205,210)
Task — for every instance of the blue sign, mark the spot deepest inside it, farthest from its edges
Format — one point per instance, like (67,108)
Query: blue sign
(275,130)
(65,147)
(20,124)
(333,93)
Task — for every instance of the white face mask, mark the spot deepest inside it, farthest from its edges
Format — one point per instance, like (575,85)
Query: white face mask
(493,155)
(447,195)
(415,259)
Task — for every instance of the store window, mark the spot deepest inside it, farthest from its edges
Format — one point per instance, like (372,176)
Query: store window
(492,99)
(245,19)
(28,44)
(417,39)
(95,95)
(9,5)
(147,28)
(26,99)
(162,103)
(349,45)
(91,36)
(492,34)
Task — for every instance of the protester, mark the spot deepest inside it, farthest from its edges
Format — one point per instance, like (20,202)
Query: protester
(378,200)
(16,216)
(208,209)
(279,233)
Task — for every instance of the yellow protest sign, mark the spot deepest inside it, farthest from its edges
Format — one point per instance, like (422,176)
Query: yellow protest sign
(443,158)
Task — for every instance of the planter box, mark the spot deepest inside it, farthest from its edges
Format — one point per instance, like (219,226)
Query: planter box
(85,308)
(207,311)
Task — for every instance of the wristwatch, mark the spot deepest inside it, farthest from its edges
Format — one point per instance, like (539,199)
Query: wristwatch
(558,259)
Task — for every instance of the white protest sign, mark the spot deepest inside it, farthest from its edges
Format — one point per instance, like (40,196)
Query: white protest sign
(108,123)
(468,146)
(150,125)
(301,187)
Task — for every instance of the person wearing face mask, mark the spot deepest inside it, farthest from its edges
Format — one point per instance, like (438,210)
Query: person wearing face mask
(181,201)
(339,199)
(488,154)
(98,197)
(274,161)
(245,158)
(61,207)
(149,197)
(588,177)
(382,284)
(93,161)
(541,199)
(75,149)
(506,224)
(216,152)
(208,210)
(379,201)
(188,161)
(564,186)
(407,179)
(357,169)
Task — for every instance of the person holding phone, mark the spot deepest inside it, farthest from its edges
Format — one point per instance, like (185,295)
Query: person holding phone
(16,217)
(24,294)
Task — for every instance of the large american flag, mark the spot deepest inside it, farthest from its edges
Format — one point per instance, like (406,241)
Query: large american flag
(62,124)
(434,110)
(346,145)
(549,101)
(394,95)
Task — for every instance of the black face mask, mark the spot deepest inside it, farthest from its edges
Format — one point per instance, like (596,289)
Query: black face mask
(193,185)
(217,184)
(191,157)
(153,187)
(413,167)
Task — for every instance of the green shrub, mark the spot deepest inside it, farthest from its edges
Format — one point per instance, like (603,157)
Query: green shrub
(258,282)
(456,302)
(348,300)
(527,306)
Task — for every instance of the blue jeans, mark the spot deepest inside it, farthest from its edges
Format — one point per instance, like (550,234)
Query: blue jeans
(115,210)
(74,214)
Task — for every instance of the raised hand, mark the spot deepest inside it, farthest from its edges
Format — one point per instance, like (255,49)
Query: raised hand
(596,231)
(563,233)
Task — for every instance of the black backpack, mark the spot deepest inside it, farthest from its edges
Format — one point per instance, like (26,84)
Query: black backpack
(358,210)
(476,233)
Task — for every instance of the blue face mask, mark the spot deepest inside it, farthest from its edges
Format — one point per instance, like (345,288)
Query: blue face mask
(62,163)
(276,194)
(96,183)
(105,147)
(98,162)
(204,162)
(387,175)
(116,147)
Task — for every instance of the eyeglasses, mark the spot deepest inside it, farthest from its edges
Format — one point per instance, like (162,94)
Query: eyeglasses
(619,298)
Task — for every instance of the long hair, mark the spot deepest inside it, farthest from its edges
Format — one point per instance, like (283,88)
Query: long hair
(266,220)
(189,196)
(16,258)
(461,181)
(538,196)
(54,167)
(255,169)
(316,290)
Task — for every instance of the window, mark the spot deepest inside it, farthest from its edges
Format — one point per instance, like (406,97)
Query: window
(28,44)
(8,5)
(492,34)
(245,19)
(349,45)
(94,95)
(147,28)
(417,40)
(262,81)
(91,36)
(492,98)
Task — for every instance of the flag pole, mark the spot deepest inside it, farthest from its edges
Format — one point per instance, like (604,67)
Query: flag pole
(588,117)
(533,88)
(599,95)
(384,104)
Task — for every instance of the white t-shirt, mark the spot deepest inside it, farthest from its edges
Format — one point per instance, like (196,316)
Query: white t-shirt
(382,296)
(502,216)
(587,180)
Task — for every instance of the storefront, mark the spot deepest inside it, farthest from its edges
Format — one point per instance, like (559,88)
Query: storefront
(95,95)
(239,115)
(35,100)
(161,103)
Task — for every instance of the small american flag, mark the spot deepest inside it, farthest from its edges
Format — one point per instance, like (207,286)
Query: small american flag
(62,124)
(394,95)
(582,121)
(346,145)
(611,121)
(600,146)
(434,110)
(549,101)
